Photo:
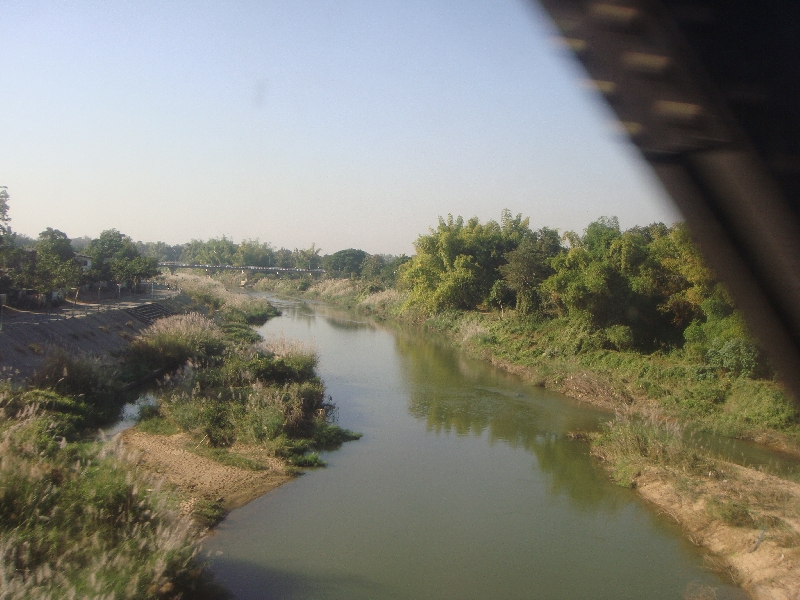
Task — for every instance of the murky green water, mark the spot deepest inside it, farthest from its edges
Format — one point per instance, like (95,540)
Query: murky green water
(464,485)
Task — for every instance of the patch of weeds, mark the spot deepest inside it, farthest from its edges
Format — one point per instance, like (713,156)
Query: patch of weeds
(35,348)
(308,460)
(731,512)
(241,333)
(207,512)
(225,457)
(151,421)
(331,437)
(103,328)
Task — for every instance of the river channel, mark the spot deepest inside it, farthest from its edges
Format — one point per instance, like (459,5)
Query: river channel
(464,485)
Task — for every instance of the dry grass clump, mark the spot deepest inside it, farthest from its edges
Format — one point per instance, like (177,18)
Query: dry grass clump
(335,288)
(192,328)
(282,347)
(242,308)
(83,523)
(629,444)
(170,342)
(387,300)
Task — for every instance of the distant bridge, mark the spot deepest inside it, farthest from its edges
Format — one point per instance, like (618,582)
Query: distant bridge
(173,266)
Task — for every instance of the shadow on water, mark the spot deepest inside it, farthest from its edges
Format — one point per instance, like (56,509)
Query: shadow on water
(345,324)
(249,581)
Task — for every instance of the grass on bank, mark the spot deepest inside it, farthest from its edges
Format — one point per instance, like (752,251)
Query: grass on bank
(76,519)
(232,307)
(265,395)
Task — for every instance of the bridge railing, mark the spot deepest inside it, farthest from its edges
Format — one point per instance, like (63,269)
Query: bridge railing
(177,265)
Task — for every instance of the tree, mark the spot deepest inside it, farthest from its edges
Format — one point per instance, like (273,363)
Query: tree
(458,263)
(115,258)
(307,259)
(55,264)
(5,219)
(345,263)
(254,253)
(216,251)
(529,265)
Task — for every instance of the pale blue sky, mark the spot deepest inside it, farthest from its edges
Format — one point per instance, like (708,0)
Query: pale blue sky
(348,123)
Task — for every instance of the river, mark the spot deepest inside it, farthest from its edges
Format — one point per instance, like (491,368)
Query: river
(464,485)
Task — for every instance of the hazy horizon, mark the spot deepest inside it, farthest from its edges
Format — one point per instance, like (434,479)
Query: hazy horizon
(345,125)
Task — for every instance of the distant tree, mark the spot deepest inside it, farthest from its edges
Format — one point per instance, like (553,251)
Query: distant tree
(344,263)
(20,240)
(216,251)
(372,266)
(284,258)
(308,258)
(159,250)
(5,218)
(81,243)
(115,258)
(254,253)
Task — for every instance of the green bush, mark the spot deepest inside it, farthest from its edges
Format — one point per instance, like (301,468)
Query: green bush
(170,342)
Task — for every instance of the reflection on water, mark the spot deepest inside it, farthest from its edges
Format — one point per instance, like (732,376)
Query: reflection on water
(465,485)
(453,400)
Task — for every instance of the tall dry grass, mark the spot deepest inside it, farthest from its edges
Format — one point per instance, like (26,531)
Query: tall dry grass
(82,522)
(236,307)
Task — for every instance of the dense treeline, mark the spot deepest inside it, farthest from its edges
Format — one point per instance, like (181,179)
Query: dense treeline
(53,261)
(643,289)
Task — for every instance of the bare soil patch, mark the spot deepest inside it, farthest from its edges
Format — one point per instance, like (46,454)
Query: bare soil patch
(762,555)
(199,477)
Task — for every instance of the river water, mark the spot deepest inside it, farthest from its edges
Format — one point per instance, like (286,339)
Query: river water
(464,485)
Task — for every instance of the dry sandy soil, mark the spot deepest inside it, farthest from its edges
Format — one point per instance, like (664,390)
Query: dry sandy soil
(766,565)
(199,477)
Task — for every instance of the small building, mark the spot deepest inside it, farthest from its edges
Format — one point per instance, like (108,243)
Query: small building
(84,260)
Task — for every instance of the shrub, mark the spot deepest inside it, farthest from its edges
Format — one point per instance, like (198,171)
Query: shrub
(629,444)
(171,342)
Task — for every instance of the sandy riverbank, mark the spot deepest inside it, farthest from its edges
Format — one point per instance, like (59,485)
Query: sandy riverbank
(767,566)
(197,477)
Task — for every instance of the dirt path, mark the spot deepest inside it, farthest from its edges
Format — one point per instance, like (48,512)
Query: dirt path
(199,477)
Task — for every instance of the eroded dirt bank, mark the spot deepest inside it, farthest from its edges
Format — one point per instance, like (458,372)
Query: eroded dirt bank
(765,561)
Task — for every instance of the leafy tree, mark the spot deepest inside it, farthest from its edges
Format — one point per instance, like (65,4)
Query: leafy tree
(5,218)
(115,258)
(529,265)
(216,251)
(457,264)
(284,258)
(307,259)
(55,264)
(255,254)
(158,250)
(345,263)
